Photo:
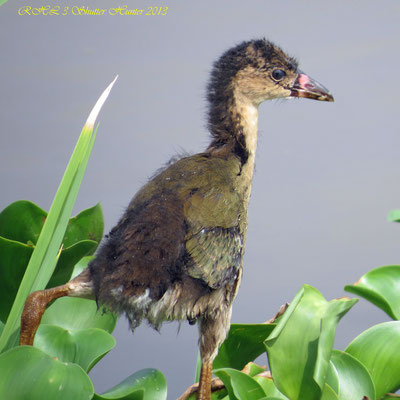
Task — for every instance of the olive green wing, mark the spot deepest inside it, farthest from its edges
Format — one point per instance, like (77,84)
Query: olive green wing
(215,255)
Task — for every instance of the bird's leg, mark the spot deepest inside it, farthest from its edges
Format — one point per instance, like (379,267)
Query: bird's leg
(212,330)
(34,308)
(36,303)
(204,391)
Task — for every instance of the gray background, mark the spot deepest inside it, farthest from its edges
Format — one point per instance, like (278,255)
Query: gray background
(326,174)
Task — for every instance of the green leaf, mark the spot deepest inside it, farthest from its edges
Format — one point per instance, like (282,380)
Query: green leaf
(13,261)
(22,221)
(354,381)
(84,347)
(146,384)
(28,373)
(68,259)
(380,286)
(43,260)
(220,394)
(329,394)
(198,368)
(378,349)
(88,224)
(269,388)
(76,313)
(245,342)
(252,369)
(332,377)
(305,333)
(394,216)
(239,385)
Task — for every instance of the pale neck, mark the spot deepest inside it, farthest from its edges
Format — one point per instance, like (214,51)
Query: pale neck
(233,124)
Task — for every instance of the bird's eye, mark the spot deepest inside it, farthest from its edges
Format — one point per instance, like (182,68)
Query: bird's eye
(278,74)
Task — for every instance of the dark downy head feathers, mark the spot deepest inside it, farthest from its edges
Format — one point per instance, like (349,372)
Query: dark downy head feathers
(250,73)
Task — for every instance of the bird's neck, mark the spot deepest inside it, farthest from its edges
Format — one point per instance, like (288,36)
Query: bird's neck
(233,124)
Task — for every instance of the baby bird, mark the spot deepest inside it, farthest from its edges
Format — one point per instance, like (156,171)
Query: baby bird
(177,251)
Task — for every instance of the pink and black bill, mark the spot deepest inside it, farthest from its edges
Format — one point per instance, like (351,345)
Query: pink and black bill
(304,86)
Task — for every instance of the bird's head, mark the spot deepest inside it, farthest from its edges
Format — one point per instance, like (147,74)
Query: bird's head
(258,70)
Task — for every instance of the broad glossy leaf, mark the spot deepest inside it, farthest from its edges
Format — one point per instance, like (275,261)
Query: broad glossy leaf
(146,384)
(245,342)
(332,377)
(88,224)
(75,313)
(22,221)
(378,349)
(14,257)
(329,394)
(29,373)
(239,385)
(253,369)
(305,333)
(68,259)
(269,388)
(221,394)
(354,381)
(84,347)
(380,286)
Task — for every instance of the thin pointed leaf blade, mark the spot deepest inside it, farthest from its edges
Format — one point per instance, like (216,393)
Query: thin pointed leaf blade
(29,373)
(380,286)
(378,349)
(42,262)
(68,196)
